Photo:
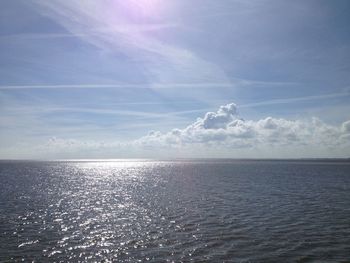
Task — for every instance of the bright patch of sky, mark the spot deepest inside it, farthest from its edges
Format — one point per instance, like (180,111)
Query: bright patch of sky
(143,78)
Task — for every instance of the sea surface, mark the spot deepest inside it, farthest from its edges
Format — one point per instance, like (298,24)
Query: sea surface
(175,211)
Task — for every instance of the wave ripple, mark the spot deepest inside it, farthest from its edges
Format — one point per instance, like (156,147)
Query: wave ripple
(200,211)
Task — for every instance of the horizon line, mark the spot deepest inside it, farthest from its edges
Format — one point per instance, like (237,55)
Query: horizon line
(177,159)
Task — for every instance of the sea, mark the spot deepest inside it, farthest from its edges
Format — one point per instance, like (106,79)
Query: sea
(217,210)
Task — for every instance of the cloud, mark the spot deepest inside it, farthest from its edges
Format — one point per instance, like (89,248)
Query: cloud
(140,31)
(63,148)
(127,26)
(204,85)
(346,127)
(226,130)
(136,28)
(217,134)
(298,99)
(219,119)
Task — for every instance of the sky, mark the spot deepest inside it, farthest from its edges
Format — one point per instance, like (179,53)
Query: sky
(174,79)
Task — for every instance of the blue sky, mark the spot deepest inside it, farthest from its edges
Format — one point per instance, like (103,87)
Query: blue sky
(92,79)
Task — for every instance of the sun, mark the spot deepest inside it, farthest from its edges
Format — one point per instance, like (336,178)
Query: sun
(147,8)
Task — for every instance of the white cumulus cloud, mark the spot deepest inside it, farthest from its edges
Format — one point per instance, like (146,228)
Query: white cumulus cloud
(224,129)
(217,134)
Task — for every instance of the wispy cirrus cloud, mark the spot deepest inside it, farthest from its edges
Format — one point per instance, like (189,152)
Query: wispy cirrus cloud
(135,28)
(130,32)
(118,32)
(297,99)
(121,86)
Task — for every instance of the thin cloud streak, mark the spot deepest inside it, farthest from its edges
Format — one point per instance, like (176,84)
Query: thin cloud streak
(128,112)
(127,28)
(292,100)
(236,82)
(35,111)
(163,60)
(250,82)
(121,86)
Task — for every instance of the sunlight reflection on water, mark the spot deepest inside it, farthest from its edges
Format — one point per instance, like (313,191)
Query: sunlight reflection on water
(163,211)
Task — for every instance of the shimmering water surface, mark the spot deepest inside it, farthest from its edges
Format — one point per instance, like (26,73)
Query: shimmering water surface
(158,211)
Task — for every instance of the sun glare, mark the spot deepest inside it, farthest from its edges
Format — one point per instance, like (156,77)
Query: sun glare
(146,7)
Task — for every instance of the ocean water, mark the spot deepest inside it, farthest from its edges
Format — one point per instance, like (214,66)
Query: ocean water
(175,211)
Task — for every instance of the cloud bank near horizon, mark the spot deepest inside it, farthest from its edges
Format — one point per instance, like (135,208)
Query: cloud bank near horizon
(223,133)
(225,128)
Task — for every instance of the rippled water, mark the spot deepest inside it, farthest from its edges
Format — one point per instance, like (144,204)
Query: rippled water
(201,211)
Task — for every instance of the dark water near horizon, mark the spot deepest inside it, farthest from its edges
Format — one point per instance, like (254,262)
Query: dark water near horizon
(175,211)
